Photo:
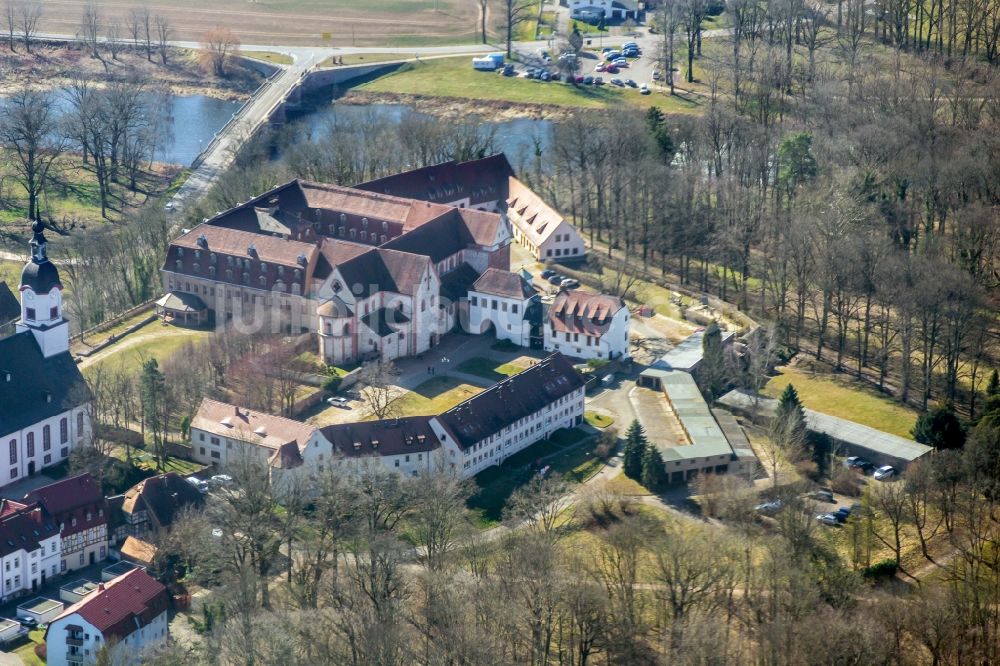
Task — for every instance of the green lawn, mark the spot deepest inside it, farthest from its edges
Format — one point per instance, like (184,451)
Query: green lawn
(840,395)
(598,420)
(363,59)
(489,369)
(145,459)
(27,650)
(435,396)
(269,56)
(494,486)
(454,77)
(149,342)
(10,272)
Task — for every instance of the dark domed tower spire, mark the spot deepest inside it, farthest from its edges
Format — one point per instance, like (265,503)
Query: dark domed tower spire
(41,298)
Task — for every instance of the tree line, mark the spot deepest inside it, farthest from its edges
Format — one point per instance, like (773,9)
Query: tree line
(373,568)
(843,191)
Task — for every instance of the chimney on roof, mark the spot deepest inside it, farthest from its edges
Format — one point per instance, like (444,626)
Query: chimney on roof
(100,587)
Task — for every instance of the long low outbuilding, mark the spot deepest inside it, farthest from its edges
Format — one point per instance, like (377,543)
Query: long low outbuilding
(849,438)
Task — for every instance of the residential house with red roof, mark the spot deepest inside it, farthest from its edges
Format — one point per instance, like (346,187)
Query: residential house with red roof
(150,506)
(585,325)
(79,508)
(126,616)
(29,548)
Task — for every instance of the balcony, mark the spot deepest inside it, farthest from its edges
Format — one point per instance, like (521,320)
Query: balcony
(74,641)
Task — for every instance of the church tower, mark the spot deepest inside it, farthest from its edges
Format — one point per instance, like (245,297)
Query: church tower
(41,299)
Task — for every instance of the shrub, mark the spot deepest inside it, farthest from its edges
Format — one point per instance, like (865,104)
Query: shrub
(846,482)
(331,384)
(880,570)
(40,651)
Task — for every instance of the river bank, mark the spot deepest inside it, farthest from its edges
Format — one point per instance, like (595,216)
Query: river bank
(452,107)
(59,65)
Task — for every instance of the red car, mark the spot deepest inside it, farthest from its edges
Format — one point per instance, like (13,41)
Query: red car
(579,78)
(611,69)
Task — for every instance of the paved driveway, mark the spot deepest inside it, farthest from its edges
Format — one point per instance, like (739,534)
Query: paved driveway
(17,491)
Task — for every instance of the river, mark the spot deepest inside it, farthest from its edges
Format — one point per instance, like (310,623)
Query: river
(517,137)
(184,123)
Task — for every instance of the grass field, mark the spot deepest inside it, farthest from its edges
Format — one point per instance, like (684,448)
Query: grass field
(153,341)
(489,369)
(598,420)
(27,650)
(435,396)
(840,395)
(269,56)
(320,22)
(454,77)
(363,59)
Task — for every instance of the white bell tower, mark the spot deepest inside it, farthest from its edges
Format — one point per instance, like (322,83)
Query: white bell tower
(41,299)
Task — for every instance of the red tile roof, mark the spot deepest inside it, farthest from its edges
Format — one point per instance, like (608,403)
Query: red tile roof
(503,283)
(74,497)
(483,180)
(24,526)
(122,605)
(582,312)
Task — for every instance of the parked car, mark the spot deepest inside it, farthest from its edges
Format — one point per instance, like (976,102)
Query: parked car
(644,89)
(556,279)
(629,45)
(579,78)
(630,83)
(588,80)
(338,401)
(28,622)
(656,75)
(547,273)
(631,53)
(200,484)
(569,283)
(823,496)
(607,49)
(842,514)
(545,76)
(612,55)
(828,519)
(600,68)
(598,81)
(884,473)
(221,480)
(508,70)
(769,508)
(621,62)
(618,82)
(611,69)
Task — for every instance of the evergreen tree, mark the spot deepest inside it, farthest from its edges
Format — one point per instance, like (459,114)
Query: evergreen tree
(790,412)
(635,448)
(993,386)
(155,409)
(711,372)
(940,428)
(653,471)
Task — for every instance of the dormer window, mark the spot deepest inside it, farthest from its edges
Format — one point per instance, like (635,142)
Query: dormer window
(53,312)
(29,313)
(343,218)
(212,258)
(385,226)
(364,223)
